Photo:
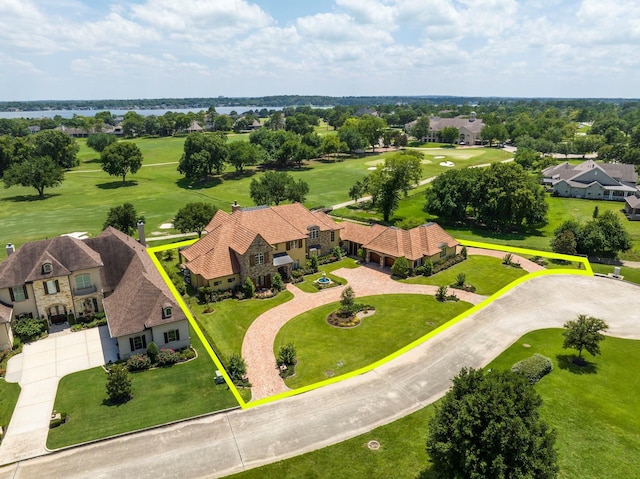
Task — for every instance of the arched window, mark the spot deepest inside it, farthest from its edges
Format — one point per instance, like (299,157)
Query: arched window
(46,268)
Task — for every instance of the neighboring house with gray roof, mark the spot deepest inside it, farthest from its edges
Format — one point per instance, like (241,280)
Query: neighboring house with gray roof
(112,273)
(469,129)
(591,180)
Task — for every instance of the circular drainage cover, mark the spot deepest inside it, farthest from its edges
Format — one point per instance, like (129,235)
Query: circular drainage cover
(373,445)
(329,373)
(525,345)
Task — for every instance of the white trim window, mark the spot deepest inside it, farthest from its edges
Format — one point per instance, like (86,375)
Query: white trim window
(52,286)
(259,258)
(314,233)
(18,294)
(172,335)
(83,281)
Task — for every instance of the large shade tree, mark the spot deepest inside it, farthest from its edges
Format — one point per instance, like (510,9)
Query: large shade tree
(58,146)
(121,158)
(276,187)
(123,218)
(488,425)
(39,172)
(584,333)
(204,154)
(193,217)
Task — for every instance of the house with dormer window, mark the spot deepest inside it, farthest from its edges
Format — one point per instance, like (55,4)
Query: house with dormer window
(64,278)
(257,243)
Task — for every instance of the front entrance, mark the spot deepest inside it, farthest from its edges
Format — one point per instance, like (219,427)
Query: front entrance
(57,314)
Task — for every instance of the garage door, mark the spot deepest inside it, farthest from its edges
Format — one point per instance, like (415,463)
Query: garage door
(374,258)
(388,261)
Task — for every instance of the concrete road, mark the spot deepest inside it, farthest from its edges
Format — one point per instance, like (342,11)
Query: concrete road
(238,440)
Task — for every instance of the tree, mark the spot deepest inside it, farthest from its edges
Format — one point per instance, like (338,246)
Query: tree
(242,153)
(603,236)
(99,141)
(152,351)
(584,333)
(203,154)
(132,124)
(123,218)
(400,267)
(277,284)
(421,129)
(118,384)
(39,172)
(237,368)
(330,145)
(488,425)
(371,128)
(58,146)
(347,300)
(194,217)
(248,288)
(121,158)
(350,134)
(564,242)
(449,134)
(277,186)
(451,194)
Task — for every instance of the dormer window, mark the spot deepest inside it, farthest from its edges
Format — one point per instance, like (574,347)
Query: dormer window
(314,232)
(46,268)
(166,312)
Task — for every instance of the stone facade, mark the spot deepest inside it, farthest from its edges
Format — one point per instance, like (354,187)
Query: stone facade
(54,304)
(260,274)
(323,242)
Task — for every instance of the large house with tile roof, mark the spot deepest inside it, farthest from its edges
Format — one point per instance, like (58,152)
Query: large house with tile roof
(112,273)
(257,243)
(469,129)
(591,180)
(384,244)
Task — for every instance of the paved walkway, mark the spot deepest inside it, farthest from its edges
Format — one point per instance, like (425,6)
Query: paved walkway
(231,442)
(257,346)
(38,370)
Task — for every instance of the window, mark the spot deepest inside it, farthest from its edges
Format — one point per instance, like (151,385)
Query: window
(217,283)
(173,335)
(51,286)
(231,280)
(333,236)
(443,251)
(314,233)
(18,294)
(166,312)
(83,281)
(260,258)
(138,342)
(46,268)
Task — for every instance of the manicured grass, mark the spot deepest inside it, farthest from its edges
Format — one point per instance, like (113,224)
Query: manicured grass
(486,273)
(231,318)
(398,321)
(595,415)
(630,274)
(308,286)
(9,393)
(159,396)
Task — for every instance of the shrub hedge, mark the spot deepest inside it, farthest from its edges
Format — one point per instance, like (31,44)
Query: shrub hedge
(534,368)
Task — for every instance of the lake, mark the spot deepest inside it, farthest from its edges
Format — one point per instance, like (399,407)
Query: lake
(158,112)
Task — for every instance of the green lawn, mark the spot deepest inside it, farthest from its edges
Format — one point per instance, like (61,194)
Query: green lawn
(159,396)
(308,286)
(9,393)
(596,416)
(231,318)
(487,274)
(630,274)
(398,321)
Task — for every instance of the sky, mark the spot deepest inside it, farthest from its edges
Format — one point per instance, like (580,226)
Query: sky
(112,49)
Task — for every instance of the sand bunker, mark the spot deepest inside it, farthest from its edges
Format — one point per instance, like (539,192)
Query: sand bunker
(438,157)
(448,164)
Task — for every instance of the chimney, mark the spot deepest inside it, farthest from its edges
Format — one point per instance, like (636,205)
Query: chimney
(10,249)
(141,238)
(235,207)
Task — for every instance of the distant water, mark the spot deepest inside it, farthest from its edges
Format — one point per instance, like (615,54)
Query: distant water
(158,112)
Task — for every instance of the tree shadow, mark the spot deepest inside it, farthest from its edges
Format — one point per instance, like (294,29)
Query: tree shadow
(188,184)
(428,473)
(566,362)
(92,161)
(29,198)
(232,175)
(114,185)
(109,403)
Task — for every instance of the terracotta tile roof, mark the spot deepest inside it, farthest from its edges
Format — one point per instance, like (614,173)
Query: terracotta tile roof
(424,240)
(6,312)
(66,254)
(214,255)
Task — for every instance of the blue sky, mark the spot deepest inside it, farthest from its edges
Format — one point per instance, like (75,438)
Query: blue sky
(81,49)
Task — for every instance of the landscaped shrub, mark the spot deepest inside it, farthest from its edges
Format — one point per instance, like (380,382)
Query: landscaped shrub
(447,263)
(118,384)
(59,421)
(337,252)
(460,279)
(138,362)
(28,329)
(463,252)
(400,267)
(237,368)
(71,318)
(248,288)
(534,368)
(441,294)
(314,264)
(186,354)
(286,355)
(427,268)
(347,300)
(178,281)
(152,351)
(277,285)
(168,357)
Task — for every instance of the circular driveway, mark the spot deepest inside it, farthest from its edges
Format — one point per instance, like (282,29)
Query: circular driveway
(237,440)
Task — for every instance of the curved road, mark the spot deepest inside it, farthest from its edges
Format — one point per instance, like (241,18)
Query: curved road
(231,442)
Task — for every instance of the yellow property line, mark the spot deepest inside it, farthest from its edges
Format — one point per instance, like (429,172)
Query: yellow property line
(584,271)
